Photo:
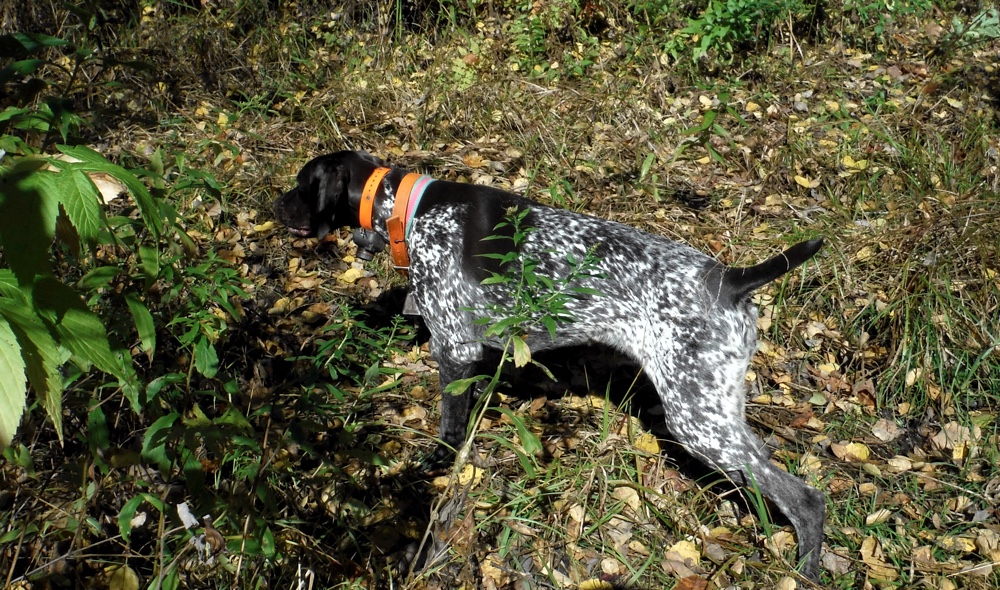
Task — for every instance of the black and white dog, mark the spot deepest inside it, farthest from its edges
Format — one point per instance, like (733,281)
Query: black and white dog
(686,318)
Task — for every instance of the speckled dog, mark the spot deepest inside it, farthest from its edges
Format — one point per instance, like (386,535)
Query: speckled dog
(686,318)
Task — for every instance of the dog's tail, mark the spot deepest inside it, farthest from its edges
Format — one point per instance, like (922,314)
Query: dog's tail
(737,283)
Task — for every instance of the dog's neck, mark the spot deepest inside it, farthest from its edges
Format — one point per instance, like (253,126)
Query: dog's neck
(387,202)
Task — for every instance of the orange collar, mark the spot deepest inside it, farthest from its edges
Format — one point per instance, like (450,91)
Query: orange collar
(368,197)
(404,205)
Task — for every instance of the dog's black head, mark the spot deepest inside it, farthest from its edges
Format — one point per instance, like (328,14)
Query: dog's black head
(324,198)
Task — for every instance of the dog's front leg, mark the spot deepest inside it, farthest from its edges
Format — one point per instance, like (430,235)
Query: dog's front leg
(454,363)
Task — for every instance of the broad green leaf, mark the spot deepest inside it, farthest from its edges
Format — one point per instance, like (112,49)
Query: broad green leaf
(643,171)
(29,206)
(128,511)
(24,67)
(154,444)
(98,277)
(41,357)
(80,329)
(150,259)
(458,386)
(522,354)
(144,324)
(9,287)
(206,360)
(81,201)
(12,384)
(32,42)
(95,162)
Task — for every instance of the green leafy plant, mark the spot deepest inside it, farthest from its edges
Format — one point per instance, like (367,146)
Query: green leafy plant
(973,30)
(536,300)
(727,25)
(709,127)
(44,322)
(32,56)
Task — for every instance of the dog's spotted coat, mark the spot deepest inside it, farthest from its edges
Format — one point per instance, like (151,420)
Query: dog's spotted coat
(684,317)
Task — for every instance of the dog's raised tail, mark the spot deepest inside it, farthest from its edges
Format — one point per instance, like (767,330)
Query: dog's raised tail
(737,283)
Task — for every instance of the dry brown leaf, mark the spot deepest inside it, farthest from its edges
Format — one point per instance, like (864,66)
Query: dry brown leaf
(836,564)
(872,556)
(879,516)
(886,431)
(691,583)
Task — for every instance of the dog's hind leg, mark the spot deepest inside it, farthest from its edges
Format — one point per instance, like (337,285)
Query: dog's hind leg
(706,415)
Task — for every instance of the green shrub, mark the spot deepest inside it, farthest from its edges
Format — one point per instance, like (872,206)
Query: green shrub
(725,27)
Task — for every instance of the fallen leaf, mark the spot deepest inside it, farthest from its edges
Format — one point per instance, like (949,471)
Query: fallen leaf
(878,517)
(899,464)
(851,452)
(685,552)
(956,544)
(473,160)
(647,443)
(836,564)
(351,275)
(806,182)
(691,583)
(886,431)
(871,555)
(851,164)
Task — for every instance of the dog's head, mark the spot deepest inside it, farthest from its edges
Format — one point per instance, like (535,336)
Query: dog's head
(323,198)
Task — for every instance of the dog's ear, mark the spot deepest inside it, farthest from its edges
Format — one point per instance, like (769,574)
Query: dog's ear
(330,184)
(371,158)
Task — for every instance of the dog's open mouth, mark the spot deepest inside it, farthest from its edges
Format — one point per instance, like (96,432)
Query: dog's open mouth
(300,232)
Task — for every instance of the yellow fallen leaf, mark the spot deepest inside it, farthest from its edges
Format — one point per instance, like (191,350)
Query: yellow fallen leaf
(629,496)
(852,164)
(752,107)
(956,544)
(647,443)
(899,464)
(264,227)
(351,275)
(473,160)
(683,551)
(595,584)
(851,452)
(806,182)
(122,578)
(955,104)
(469,474)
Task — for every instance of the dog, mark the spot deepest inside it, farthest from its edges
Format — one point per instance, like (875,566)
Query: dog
(683,316)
